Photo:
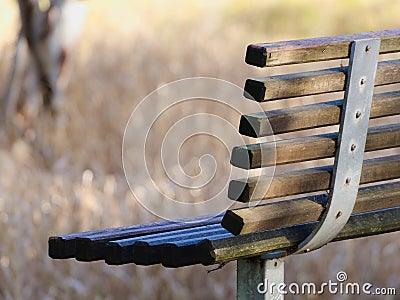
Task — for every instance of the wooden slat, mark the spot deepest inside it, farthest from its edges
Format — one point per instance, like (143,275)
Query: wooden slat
(63,246)
(91,244)
(312,116)
(180,254)
(150,254)
(122,251)
(94,247)
(314,82)
(308,148)
(303,210)
(316,49)
(257,243)
(310,180)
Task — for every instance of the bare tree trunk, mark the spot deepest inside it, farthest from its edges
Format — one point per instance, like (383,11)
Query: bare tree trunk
(38,76)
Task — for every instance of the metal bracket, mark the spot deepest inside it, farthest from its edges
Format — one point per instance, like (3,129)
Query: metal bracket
(259,278)
(351,141)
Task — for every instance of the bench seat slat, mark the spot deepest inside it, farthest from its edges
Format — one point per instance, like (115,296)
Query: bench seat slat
(121,251)
(310,180)
(316,49)
(308,148)
(313,82)
(173,253)
(65,246)
(93,247)
(303,210)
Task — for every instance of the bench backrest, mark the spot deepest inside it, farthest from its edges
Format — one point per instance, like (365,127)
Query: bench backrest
(313,148)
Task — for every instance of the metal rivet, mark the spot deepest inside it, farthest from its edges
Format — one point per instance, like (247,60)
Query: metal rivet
(358,114)
(362,81)
(367,48)
(307,250)
(324,50)
(348,179)
(353,147)
(339,213)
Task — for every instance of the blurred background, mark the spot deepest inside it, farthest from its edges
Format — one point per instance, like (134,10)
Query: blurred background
(60,161)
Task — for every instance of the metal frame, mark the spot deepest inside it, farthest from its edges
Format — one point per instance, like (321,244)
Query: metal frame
(269,269)
(351,144)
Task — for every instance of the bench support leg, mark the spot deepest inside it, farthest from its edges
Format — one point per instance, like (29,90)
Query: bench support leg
(259,278)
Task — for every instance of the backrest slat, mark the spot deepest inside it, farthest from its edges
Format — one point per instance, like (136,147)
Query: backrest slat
(309,180)
(308,148)
(313,82)
(312,116)
(316,49)
(303,210)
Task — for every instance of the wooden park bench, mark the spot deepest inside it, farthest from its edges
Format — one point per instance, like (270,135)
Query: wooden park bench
(260,237)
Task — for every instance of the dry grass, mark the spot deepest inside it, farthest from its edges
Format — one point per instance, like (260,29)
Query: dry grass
(125,52)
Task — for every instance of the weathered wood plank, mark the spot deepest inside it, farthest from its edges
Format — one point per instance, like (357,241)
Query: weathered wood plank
(308,148)
(173,253)
(180,254)
(68,246)
(310,180)
(316,49)
(314,82)
(122,251)
(94,247)
(303,210)
(63,246)
(286,238)
(312,116)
